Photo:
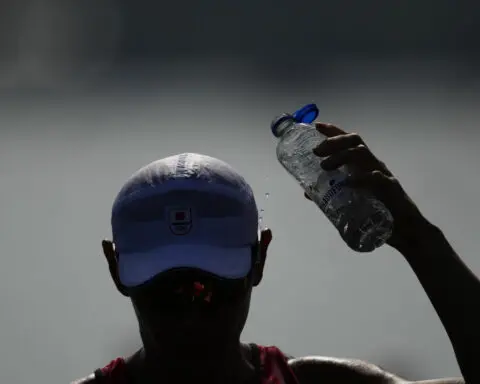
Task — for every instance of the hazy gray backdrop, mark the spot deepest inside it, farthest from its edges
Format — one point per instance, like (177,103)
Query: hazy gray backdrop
(92,90)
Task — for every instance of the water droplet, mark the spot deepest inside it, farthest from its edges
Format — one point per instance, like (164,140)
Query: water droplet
(267,195)
(261,224)
(262,210)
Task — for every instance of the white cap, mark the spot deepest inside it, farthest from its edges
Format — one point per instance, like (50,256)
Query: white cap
(184,211)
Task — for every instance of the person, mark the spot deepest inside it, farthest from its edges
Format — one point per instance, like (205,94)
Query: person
(187,252)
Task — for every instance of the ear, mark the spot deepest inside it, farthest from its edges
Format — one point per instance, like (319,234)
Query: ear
(261,255)
(112,259)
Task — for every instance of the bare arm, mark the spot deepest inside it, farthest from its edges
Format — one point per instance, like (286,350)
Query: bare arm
(454,292)
(452,288)
(318,369)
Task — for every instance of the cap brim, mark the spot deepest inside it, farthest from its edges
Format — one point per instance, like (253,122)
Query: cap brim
(230,263)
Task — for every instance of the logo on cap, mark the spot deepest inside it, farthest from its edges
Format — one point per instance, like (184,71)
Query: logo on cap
(180,220)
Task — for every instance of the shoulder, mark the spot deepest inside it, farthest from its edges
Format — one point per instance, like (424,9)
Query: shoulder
(315,369)
(114,370)
(90,379)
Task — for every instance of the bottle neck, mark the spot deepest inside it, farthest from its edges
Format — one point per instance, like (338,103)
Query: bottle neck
(285,126)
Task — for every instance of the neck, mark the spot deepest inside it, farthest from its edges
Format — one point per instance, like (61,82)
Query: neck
(230,364)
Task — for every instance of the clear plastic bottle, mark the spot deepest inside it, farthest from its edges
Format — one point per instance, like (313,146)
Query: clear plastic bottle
(363,222)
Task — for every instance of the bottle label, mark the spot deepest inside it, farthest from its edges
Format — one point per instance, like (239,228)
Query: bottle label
(331,193)
(335,180)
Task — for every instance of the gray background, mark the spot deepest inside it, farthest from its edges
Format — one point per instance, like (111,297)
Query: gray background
(90,91)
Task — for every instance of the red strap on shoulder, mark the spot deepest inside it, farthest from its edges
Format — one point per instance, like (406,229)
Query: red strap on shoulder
(115,372)
(275,366)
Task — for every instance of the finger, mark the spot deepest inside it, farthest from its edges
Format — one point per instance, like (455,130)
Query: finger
(360,157)
(338,143)
(329,130)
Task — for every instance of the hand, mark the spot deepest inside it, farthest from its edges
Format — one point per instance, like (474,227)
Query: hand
(368,172)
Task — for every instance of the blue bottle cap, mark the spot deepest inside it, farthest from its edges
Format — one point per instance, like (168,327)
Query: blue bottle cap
(306,114)
(278,121)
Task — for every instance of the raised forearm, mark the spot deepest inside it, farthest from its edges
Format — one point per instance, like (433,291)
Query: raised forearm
(441,381)
(453,290)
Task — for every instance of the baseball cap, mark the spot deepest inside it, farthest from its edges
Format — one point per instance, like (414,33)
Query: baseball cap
(184,211)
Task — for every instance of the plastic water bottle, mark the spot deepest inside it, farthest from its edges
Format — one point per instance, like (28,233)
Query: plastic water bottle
(363,222)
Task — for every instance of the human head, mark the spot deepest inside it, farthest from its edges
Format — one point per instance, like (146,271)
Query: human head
(180,222)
